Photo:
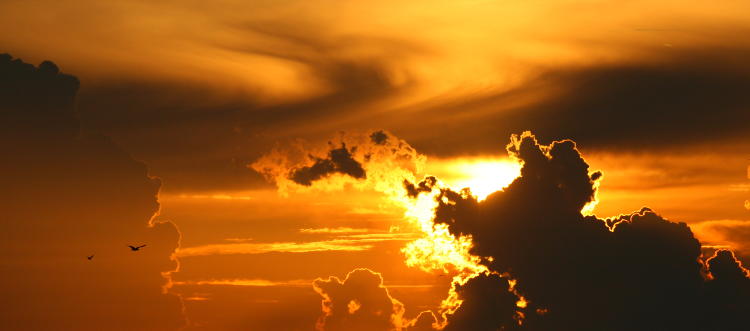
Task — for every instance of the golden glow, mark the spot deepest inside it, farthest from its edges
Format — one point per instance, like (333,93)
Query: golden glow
(290,247)
(485,177)
(215,196)
(333,230)
(435,249)
(353,306)
(482,175)
(438,249)
(248,282)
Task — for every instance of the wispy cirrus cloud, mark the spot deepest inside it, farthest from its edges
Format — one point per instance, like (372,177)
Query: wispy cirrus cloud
(248,282)
(287,247)
(351,243)
(333,230)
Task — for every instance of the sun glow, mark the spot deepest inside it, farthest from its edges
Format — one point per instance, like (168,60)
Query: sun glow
(482,176)
(439,250)
(389,166)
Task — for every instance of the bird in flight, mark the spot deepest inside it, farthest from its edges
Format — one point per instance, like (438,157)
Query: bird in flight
(136,248)
(90,257)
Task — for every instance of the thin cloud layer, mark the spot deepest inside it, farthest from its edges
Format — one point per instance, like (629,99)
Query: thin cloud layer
(576,272)
(690,95)
(68,196)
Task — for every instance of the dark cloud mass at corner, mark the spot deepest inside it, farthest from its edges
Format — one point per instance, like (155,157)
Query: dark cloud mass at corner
(68,195)
(632,272)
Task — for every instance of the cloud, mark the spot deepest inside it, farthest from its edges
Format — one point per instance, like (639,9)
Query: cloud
(67,195)
(425,321)
(359,302)
(649,102)
(629,272)
(343,241)
(379,137)
(288,247)
(339,160)
(727,233)
(334,230)
(488,304)
(157,117)
(424,186)
(380,164)
(247,282)
(351,73)
(37,102)
(728,291)
(537,262)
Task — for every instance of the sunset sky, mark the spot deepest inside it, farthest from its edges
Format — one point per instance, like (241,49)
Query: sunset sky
(299,165)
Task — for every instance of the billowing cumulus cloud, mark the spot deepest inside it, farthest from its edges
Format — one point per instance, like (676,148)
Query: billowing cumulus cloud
(359,302)
(68,196)
(632,272)
(362,302)
(529,258)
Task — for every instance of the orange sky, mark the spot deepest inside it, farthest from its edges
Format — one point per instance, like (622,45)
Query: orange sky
(203,96)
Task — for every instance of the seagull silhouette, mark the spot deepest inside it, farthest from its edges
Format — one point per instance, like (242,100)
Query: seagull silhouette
(136,248)
(90,257)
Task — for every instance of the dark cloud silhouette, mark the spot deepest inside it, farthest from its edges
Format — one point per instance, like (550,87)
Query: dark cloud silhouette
(359,302)
(488,305)
(632,272)
(339,161)
(728,291)
(68,195)
(379,137)
(36,101)
(424,186)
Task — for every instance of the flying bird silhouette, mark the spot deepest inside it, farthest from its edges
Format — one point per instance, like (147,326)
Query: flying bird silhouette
(90,257)
(136,248)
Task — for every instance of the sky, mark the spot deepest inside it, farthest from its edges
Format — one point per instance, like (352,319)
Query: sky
(301,165)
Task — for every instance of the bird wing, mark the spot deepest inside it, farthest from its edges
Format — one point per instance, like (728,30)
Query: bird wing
(141,246)
(132,247)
